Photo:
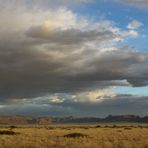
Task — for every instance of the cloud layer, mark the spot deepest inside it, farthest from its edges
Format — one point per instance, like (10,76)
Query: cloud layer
(48,51)
(116,104)
(49,55)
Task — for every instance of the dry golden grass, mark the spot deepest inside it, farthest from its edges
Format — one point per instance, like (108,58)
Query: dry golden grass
(75,137)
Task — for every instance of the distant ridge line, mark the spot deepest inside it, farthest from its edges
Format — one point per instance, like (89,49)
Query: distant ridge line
(45,120)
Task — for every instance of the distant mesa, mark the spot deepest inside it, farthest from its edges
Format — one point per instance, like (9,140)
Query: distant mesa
(30,120)
(24,120)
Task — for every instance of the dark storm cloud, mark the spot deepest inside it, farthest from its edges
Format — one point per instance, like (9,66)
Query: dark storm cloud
(119,104)
(70,36)
(71,57)
(112,65)
(28,71)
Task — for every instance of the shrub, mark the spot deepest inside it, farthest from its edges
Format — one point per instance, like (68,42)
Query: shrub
(127,128)
(12,127)
(7,132)
(98,126)
(75,135)
(50,128)
(114,126)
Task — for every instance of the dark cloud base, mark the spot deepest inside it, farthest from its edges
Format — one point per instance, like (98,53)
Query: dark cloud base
(120,104)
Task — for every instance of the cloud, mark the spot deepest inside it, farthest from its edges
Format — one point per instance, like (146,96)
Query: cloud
(73,36)
(48,51)
(39,4)
(102,31)
(135,24)
(117,104)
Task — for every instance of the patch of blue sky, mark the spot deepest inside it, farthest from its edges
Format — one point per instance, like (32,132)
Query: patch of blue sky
(139,43)
(121,16)
(142,91)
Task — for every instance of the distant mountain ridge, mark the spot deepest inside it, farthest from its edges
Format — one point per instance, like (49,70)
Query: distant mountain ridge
(29,120)
(24,120)
(110,118)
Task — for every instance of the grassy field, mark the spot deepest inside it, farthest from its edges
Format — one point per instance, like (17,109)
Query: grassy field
(70,136)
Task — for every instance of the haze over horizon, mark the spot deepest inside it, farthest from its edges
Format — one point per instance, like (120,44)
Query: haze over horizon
(73,58)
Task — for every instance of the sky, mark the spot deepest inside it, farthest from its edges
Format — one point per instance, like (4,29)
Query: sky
(73,58)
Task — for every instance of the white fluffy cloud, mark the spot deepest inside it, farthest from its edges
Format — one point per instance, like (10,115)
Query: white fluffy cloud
(135,24)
